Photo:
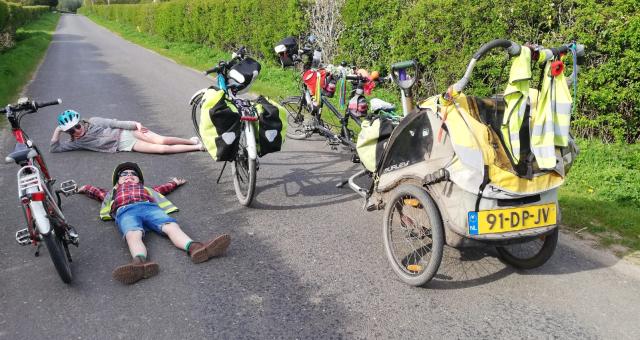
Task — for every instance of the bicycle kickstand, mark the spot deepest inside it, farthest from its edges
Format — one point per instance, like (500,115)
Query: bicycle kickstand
(221,171)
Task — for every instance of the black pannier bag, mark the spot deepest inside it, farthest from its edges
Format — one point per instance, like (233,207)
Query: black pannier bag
(219,126)
(271,126)
(287,49)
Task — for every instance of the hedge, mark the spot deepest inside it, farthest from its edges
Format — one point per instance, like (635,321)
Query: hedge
(12,16)
(442,35)
(225,24)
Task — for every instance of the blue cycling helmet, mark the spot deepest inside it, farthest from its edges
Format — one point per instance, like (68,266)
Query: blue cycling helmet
(68,119)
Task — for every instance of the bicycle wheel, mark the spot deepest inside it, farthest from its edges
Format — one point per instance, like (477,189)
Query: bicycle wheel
(53,241)
(244,173)
(297,114)
(413,235)
(195,117)
(532,254)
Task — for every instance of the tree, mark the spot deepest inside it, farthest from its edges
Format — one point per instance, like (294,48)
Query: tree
(327,25)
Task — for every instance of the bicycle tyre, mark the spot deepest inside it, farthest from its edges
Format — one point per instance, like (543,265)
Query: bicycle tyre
(540,257)
(195,116)
(297,114)
(411,268)
(244,173)
(58,256)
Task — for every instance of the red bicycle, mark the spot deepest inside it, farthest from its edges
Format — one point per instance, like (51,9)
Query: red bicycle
(42,211)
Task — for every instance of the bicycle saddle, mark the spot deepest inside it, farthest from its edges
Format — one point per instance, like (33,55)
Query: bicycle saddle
(21,153)
(379,104)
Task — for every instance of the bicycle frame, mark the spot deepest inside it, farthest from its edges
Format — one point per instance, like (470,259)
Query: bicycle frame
(45,221)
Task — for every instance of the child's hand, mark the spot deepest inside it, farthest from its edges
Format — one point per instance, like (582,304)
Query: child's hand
(141,128)
(82,189)
(179,181)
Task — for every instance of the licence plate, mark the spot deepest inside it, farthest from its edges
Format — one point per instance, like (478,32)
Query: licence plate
(512,219)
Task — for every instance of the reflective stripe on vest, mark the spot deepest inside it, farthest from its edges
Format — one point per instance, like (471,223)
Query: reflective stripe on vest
(160,200)
(551,118)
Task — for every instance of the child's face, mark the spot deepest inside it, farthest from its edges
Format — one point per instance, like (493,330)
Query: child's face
(77,131)
(128,176)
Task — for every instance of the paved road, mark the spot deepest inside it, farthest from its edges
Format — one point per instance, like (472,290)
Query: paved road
(305,261)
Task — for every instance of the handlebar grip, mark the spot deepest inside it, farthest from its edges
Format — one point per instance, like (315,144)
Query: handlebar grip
(510,46)
(211,70)
(403,65)
(53,102)
(355,77)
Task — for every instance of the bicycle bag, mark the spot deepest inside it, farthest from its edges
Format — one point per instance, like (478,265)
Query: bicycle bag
(287,48)
(372,138)
(321,79)
(219,125)
(272,126)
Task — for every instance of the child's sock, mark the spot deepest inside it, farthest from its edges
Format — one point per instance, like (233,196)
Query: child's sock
(140,258)
(188,245)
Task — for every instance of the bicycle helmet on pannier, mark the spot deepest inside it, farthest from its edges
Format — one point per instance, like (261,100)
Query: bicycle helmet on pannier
(68,119)
(127,166)
(242,74)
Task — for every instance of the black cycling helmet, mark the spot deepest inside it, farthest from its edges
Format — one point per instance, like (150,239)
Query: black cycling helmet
(243,74)
(127,166)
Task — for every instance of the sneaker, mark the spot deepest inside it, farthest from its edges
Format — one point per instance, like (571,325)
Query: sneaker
(195,140)
(200,252)
(135,271)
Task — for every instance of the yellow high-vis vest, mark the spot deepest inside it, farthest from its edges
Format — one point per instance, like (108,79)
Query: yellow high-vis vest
(160,200)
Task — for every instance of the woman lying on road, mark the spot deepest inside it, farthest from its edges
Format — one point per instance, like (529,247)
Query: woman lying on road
(111,135)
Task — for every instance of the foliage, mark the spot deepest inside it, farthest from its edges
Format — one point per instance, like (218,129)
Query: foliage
(18,63)
(442,35)
(602,191)
(226,24)
(69,5)
(14,15)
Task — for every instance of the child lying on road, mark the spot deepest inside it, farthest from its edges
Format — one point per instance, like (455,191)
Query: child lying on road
(137,209)
(111,135)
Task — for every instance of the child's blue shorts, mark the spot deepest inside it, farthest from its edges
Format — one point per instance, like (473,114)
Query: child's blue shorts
(141,216)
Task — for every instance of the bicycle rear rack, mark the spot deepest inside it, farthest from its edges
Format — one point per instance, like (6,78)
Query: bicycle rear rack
(29,182)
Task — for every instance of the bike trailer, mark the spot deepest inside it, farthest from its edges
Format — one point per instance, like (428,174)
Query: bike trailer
(287,48)
(272,125)
(219,125)
(487,187)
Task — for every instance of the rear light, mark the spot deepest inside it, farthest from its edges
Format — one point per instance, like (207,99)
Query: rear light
(249,118)
(38,196)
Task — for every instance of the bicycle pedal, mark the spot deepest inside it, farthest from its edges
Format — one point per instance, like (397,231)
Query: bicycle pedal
(22,237)
(355,158)
(69,187)
(370,206)
(73,238)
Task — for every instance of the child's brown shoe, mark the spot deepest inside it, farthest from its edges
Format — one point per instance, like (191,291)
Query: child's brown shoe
(135,271)
(200,252)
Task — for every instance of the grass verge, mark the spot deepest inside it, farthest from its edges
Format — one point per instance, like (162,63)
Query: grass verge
(602,192)
(18,63)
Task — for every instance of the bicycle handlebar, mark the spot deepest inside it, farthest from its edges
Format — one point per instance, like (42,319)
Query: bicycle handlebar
(513,49)
(29,106)
(43,104)
(240,54)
